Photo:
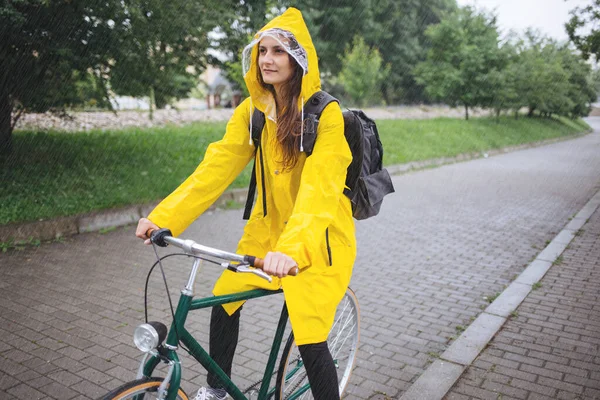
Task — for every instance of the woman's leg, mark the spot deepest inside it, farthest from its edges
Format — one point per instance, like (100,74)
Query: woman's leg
(321,371)
(224,331)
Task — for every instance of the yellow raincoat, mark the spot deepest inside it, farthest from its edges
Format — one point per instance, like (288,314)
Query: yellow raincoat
(301,203)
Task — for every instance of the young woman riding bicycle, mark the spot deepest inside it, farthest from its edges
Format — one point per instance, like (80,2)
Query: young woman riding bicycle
(301,217)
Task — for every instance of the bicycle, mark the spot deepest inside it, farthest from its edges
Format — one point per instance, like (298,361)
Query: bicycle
(160,344)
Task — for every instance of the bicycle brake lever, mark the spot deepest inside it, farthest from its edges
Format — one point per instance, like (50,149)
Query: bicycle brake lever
(255,271)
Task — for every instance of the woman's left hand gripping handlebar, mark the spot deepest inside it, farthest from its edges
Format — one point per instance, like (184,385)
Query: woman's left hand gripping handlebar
(144,227)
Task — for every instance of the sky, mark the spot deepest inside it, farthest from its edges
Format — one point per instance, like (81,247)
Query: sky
(549,16)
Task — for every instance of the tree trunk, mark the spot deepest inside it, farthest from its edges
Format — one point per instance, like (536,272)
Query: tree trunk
(531,110)
(5,124)
(498,115)
(466,112)
(151,103)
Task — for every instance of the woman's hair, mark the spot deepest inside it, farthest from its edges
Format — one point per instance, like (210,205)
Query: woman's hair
(288,116)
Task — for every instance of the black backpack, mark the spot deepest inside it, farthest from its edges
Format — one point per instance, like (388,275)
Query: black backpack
(367,180)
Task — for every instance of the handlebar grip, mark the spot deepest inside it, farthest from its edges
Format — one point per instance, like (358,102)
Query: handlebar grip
(259,263)
(157,236)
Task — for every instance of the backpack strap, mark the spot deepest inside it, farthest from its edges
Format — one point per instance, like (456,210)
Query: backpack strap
(317,102)
(258,123)
(313,109)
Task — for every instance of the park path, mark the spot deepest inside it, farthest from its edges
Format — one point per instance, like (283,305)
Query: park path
(448,240)
(550,346)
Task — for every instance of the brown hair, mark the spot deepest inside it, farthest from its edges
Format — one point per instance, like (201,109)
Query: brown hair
(288,116)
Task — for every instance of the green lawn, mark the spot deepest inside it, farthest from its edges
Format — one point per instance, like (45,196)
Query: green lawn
(413,140)
(56,173)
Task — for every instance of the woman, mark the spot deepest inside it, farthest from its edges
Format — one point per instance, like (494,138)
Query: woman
(302,220)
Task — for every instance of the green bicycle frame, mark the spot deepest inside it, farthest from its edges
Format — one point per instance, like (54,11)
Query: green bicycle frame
(186,304)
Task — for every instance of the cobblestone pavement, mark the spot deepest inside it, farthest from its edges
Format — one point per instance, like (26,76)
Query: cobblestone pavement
(448,240)
(550,348)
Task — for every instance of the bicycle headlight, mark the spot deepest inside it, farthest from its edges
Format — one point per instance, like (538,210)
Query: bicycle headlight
(148,336)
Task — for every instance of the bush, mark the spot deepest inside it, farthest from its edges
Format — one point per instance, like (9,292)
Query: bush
(362,74)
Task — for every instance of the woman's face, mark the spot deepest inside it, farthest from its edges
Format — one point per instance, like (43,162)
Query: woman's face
(274,62)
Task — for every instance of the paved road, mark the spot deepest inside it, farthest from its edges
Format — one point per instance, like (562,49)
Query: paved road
(550,347)
(446,242)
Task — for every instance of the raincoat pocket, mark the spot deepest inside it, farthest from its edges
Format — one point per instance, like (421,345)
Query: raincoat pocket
(335,255)
(343,257)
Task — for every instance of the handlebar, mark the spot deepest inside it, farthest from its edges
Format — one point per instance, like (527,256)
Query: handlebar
(164,237)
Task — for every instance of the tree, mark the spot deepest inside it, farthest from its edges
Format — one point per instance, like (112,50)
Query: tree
(585,20)
(582,88)
(45,48)
(505,87)
(546,77)
(235,74)
(362,73)
(399,33)
(395,27)
(156,55)
(237,25)
(595,78)
(463,62)
(142,46)
(542,83)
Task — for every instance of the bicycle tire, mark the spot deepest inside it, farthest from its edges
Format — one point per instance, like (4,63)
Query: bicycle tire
(346,325)
(140,387)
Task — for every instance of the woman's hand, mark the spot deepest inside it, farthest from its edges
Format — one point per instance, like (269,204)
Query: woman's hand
(278,264)
(143,225)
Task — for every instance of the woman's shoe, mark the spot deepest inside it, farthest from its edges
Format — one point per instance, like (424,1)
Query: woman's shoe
(205,393)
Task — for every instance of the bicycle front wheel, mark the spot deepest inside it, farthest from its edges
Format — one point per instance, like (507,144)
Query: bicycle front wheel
(141,389)
(292,381)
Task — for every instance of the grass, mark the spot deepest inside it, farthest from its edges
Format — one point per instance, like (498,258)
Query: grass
(490,299)
(558,261)
(53,174)
(413,140)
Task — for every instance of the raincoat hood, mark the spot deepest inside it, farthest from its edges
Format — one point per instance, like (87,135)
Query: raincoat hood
(290,22)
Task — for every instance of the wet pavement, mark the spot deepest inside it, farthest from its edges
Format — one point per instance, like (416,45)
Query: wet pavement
(445,244)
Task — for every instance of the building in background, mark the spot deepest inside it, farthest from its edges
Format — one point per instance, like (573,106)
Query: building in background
(214,90)
(220,92)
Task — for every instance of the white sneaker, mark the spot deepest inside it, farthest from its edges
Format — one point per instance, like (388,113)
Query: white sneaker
(211,394)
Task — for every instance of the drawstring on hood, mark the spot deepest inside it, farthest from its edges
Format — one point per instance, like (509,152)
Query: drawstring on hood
(302,127)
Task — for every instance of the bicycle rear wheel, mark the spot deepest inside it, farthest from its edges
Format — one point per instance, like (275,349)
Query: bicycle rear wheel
(141,389)
(292,381)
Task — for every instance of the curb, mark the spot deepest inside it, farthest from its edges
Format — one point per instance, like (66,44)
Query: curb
(96,221)
(442,374)
(116,217)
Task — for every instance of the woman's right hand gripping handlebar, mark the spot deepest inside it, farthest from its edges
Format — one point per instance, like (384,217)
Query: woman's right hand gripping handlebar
(145,226)
(279,264)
